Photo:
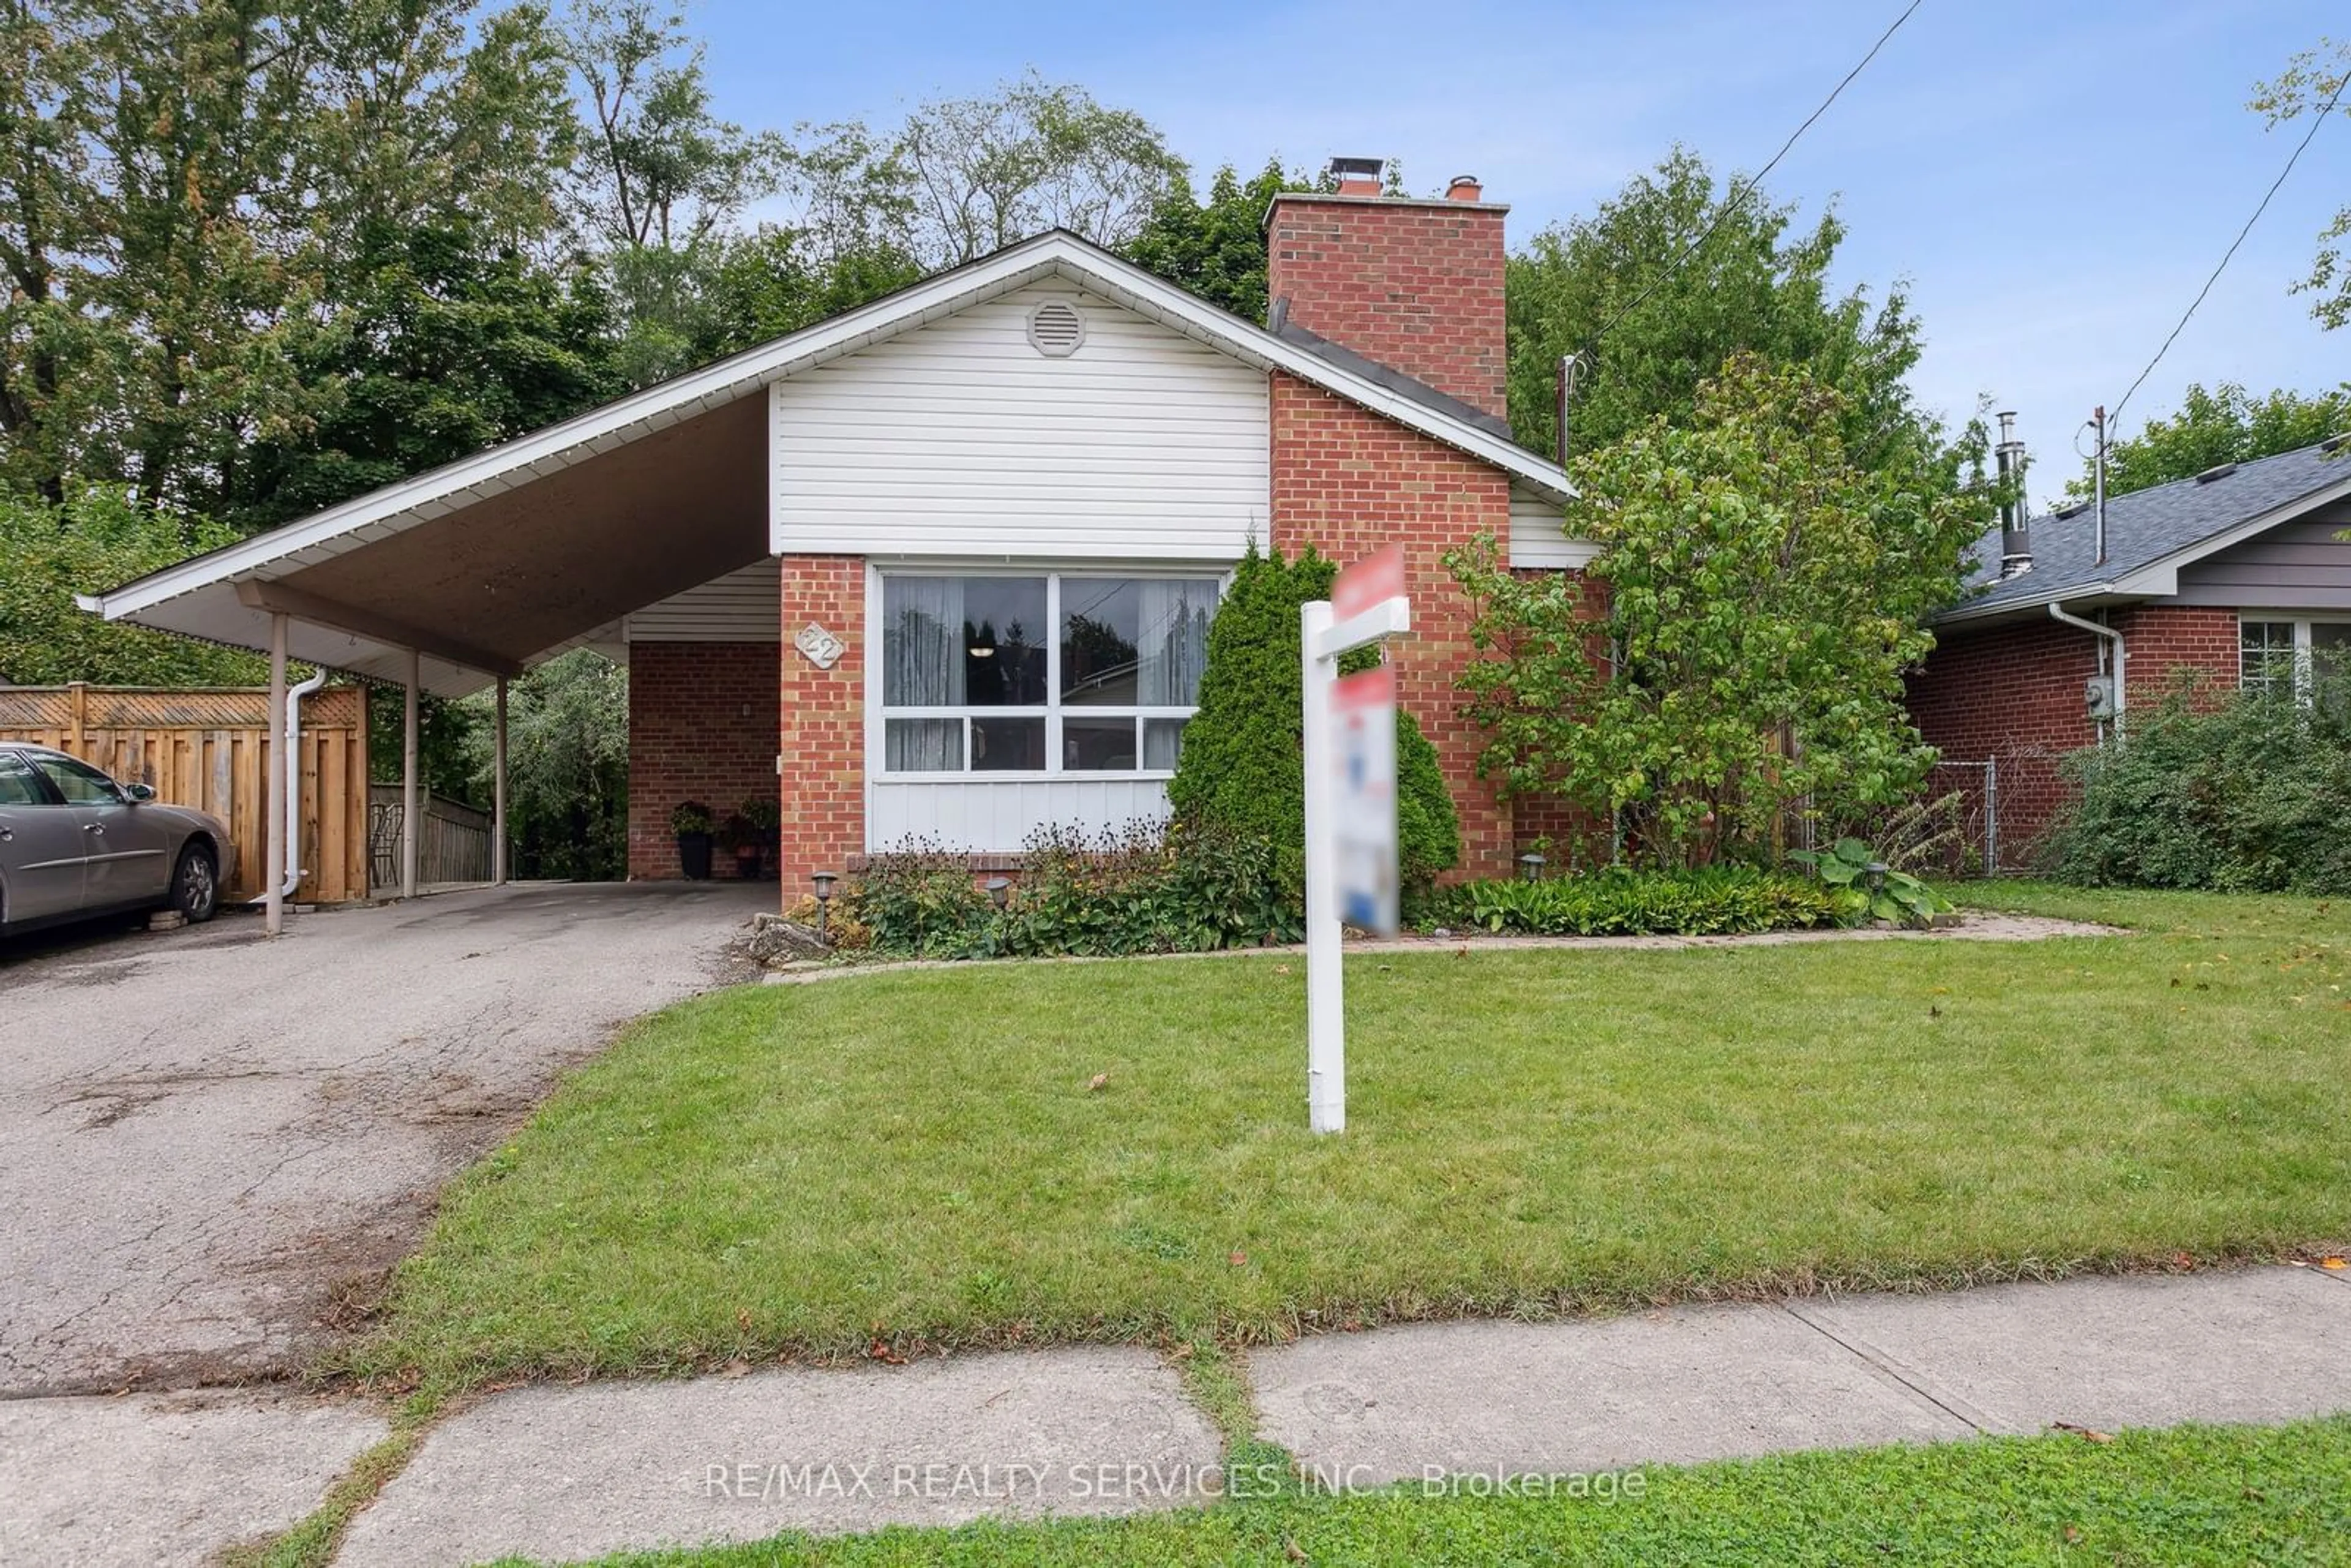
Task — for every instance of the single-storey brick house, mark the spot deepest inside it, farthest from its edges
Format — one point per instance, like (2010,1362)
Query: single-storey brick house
(2235,576)
(944,565)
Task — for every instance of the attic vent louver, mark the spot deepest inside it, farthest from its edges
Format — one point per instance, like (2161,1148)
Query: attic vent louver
(2218,471)
(2335,443)
(1056,329)
(2066,514)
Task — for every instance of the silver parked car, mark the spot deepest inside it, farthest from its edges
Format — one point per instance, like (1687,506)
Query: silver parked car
(75,843)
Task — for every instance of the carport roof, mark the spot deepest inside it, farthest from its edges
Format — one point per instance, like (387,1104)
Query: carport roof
(492,563)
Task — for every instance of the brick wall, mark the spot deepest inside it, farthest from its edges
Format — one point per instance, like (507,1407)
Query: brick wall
(701,718)
(2013,695)
(1348,482)
(823,737)
(1416,285)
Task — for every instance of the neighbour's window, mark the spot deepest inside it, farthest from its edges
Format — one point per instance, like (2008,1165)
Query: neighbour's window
(78,782)
(1059,673)
(2307,659)
(18,786)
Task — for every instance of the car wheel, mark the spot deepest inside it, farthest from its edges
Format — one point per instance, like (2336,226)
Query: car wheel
(195,885)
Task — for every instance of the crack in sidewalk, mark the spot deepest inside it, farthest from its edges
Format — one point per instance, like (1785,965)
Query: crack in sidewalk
(1951,1404)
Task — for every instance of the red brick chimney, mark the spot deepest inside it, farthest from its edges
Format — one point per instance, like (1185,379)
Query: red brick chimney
(1411,282)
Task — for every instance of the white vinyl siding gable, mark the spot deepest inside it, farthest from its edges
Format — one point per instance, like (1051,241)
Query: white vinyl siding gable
(958,438)
(743,606)
(1539,535)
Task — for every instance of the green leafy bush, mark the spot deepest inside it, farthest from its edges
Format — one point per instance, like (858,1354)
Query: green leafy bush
(1139,890)
(1846,869)
(689,817)
(1708,901)
(2242,793)
(1243,771)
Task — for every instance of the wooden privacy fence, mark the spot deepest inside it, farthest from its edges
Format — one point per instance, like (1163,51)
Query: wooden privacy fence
(452,839)
(210,749)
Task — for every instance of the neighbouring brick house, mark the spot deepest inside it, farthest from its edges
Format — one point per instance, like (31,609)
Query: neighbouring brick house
(944,565)
(2235,577)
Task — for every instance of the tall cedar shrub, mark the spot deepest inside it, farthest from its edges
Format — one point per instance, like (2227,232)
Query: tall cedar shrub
(1243,766)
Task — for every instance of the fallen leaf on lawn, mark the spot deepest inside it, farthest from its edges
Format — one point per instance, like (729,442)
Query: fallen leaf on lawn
(2087,1434)
(1096,1081)
(2072,1535)
(1239,1260)
(2330,1262)
(2184,1260)
(743,1318)
(735,1368)
(1291,1550)
(879,1351)
(1281,968)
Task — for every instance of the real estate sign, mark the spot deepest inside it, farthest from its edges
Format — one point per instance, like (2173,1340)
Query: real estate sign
(1351,803)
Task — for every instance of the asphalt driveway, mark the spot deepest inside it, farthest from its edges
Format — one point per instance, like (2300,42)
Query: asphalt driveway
(212,1145)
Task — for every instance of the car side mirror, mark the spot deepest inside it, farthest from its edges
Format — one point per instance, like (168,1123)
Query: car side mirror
(138,792)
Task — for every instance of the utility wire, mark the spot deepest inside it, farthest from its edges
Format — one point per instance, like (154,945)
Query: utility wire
(2315,121)
(1754,182)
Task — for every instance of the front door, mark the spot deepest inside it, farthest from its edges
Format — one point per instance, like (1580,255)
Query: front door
(130,854)
(41,846)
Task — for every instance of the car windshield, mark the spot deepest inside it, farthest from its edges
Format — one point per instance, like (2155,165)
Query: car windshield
(78,782)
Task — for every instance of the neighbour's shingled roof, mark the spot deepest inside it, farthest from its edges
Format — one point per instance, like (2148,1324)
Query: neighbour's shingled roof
(2145,526)
(1395,380)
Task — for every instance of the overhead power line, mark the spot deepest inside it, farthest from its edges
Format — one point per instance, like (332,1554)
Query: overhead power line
(2315,121)
(1755,179)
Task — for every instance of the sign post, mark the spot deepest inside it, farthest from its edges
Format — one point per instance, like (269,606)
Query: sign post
(1351,803)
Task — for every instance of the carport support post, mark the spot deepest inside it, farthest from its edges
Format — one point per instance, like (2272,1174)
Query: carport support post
(274,818)
(408,781)
(499,790)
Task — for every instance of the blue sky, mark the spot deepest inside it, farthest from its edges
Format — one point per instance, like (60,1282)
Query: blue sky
(2052,180)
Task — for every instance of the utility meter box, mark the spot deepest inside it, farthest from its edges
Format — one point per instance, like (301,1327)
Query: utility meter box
(2099,696)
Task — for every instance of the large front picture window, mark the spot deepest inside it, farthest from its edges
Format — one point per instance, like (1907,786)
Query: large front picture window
(1045,673)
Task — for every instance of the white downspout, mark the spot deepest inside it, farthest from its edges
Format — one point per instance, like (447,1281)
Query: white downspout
(289,738)
(2115,639)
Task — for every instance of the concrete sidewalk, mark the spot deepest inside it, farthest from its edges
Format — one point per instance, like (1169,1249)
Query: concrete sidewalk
(562,1473)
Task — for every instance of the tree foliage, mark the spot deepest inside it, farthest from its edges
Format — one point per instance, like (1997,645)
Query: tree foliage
(983,173)
(1764,593)
(97,539)
(2228,425)
(567,768)
(1758,284)
(1242,767)
(1215,249)
(2311,80)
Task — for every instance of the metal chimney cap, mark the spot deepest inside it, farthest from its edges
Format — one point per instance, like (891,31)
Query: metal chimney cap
(1358,167)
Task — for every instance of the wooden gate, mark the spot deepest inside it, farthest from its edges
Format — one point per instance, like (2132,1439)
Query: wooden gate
(210,749)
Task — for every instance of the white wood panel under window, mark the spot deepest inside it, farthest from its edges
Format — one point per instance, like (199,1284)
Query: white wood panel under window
(960,438)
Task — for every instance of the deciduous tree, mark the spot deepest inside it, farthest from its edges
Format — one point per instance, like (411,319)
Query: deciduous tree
(1764,593)
(2228,425)
(2311,80)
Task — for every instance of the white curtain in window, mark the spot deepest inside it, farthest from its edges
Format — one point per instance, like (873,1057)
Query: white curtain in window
(1172,648)
(923,666)
(922,646)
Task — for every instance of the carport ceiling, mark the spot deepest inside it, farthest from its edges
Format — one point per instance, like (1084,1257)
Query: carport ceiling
(496,585)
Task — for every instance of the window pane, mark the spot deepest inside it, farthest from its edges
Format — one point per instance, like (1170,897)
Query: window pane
(1008,744)
(2330,664)
(1128,641)
(923,746)
(1163,744)
(1004,644)
(1097,744)
(949,642)
(17,785)
(78,782)
(2265,655)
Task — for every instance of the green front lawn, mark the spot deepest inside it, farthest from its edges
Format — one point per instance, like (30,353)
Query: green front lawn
(796,1169)
(2189,1495)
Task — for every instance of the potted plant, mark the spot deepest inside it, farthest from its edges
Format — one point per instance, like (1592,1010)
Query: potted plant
(763,818)
(738,837)
(691,821)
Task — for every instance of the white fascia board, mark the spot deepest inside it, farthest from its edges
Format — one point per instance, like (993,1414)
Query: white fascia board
(452,487)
